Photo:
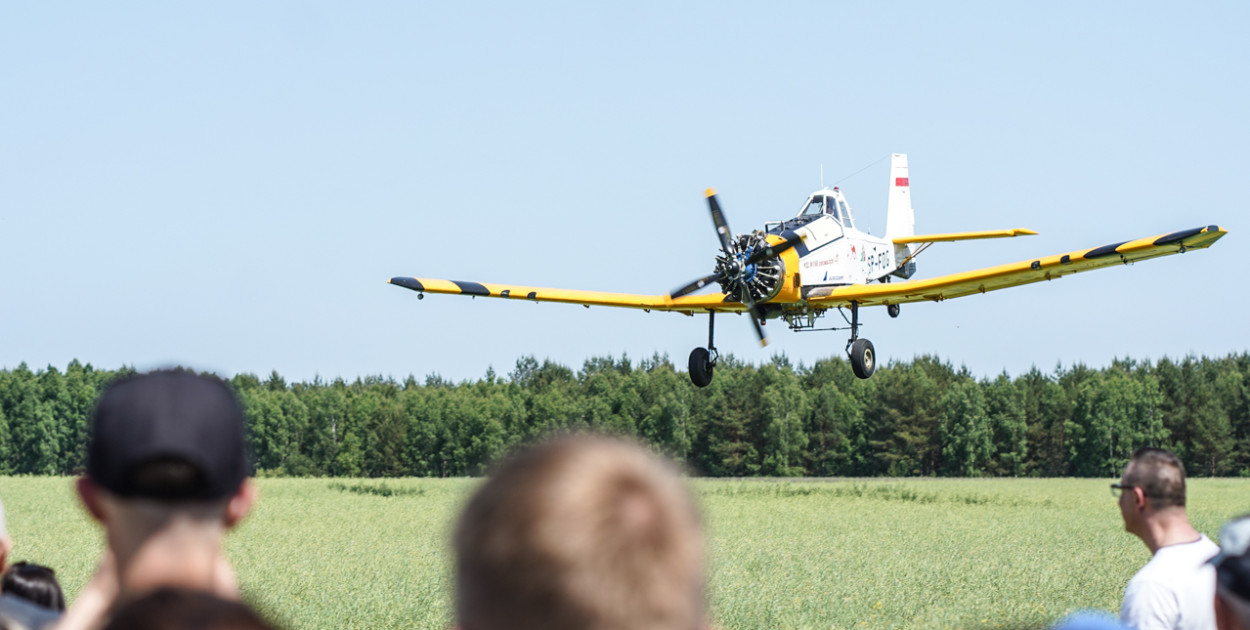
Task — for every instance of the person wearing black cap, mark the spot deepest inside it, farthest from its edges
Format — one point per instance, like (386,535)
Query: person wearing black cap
(167,476)
(1232,576)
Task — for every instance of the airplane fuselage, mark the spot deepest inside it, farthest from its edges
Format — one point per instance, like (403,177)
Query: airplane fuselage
(833,251)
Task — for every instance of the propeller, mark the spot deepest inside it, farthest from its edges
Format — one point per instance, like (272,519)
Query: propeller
(732,266)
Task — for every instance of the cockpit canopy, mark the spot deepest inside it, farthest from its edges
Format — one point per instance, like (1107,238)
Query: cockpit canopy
(827,202)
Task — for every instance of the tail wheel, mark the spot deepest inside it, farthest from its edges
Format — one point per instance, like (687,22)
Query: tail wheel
(701,366)
(863,358)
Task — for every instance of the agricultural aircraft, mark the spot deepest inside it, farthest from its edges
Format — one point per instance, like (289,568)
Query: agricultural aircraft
(800,268)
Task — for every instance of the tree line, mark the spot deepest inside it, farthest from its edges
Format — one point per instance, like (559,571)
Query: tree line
(921,417)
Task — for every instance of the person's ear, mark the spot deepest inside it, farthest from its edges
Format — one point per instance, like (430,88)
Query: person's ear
(241,503)
(89,494)
(1139,498)
(6,544)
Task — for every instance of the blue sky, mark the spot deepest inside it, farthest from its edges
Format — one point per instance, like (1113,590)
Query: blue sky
(229,185)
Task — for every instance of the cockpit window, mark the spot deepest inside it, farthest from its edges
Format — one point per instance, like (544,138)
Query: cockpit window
(815,207)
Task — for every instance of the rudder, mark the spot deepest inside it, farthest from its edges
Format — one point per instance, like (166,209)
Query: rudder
(900,219)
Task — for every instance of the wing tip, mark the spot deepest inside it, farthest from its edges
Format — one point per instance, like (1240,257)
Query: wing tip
(407,283)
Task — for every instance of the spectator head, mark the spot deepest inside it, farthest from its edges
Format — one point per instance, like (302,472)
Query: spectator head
(179,609)
(1232,576)
(1153,482)
(167,466)
(34,583)
(581,532)
(170,438)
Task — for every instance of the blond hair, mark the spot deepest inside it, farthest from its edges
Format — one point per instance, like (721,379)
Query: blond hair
(581,532)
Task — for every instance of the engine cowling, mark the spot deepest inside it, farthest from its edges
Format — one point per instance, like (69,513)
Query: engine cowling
(762,279)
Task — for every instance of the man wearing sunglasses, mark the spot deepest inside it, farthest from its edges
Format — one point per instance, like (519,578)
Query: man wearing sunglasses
(1232,576)
(1175,589)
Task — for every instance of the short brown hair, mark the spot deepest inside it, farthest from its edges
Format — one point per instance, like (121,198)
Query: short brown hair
(171,608)
(581,532)
(1160,474)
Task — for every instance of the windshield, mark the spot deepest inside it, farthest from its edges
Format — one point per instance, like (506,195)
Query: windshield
(816,207)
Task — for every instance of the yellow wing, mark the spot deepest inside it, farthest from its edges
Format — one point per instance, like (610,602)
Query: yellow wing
(1014,274)
(688,304)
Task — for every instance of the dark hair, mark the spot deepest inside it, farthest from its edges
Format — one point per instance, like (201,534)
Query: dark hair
(1160,475)
(167,478)
(34,583)
(178,609)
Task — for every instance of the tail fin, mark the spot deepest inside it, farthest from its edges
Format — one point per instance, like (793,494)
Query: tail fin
(900,219)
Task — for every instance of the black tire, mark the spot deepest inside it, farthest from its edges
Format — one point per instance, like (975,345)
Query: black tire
(893,310)
(863,358)
(700,367)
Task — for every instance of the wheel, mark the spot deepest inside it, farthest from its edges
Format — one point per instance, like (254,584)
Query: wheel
(863,358)
(700,367)
(893,310)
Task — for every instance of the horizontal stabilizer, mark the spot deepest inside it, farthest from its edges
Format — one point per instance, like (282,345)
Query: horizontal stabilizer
(962,236)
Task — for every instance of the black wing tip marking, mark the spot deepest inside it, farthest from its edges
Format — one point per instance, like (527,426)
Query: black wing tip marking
(1175,237)
(407,283)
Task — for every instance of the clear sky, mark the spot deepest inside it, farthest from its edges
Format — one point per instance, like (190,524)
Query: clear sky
(229,185)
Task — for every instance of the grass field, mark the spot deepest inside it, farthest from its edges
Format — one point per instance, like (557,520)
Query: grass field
(322,553)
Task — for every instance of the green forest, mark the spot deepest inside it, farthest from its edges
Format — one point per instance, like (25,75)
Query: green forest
(917,418)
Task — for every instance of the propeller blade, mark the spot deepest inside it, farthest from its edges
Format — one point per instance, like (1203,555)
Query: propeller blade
(772,251)
(722,227)
(696,285)
(753,311)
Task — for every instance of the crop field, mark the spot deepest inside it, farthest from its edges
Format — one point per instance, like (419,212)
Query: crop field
(875,553)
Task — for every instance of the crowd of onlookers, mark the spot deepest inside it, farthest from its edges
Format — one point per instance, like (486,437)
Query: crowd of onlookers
(578,532)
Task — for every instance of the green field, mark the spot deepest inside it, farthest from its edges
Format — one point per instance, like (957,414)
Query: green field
(917,553)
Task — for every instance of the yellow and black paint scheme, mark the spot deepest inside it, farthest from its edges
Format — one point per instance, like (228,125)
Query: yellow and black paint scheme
(688,304)
(793,297)
(1018,273)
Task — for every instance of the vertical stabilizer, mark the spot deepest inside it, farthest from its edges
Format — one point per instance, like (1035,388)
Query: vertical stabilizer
(900,220)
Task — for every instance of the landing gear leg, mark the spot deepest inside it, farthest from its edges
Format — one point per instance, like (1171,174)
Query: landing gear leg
(863,356)
(703,360)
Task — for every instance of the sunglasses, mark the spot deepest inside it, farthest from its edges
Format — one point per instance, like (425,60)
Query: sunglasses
(1116,488)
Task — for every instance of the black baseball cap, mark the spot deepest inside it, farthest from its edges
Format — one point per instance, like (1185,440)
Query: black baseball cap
(168,416)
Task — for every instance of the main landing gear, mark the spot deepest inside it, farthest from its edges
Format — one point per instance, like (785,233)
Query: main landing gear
(863,356)
(703,360)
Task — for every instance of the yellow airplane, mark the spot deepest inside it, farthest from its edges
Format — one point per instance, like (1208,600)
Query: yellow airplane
(800,268)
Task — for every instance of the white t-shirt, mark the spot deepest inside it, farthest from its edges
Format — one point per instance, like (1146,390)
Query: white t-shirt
(1174,591)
